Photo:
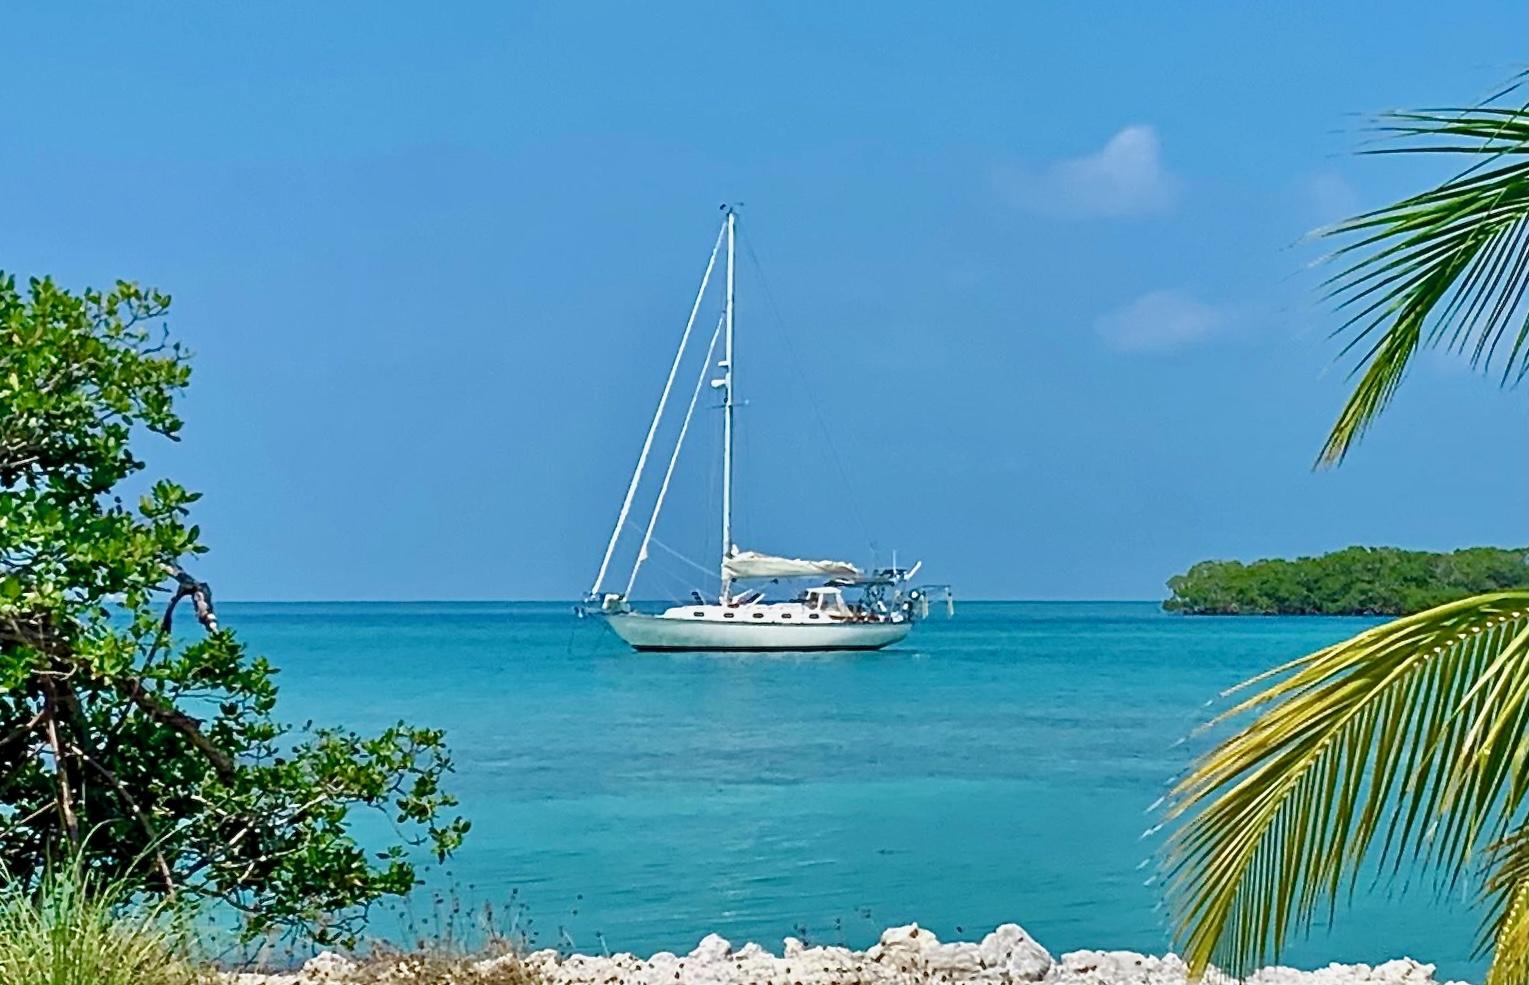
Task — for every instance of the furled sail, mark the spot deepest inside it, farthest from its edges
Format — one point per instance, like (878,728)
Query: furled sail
(752,564)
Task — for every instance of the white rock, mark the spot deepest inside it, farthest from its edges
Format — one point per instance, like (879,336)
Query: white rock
(326,966)
(961,960)
(666,966)
(1405,970)
(489,965)
(903,955)
(905,947)
(1011,950)
(1119,968)
(713,947)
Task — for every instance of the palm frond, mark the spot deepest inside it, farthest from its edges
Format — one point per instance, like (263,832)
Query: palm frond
(1406,741)
(1448,267)
(1505,931)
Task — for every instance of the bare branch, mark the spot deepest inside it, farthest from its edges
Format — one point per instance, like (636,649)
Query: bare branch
(165,876)
(199,592)
(60,773)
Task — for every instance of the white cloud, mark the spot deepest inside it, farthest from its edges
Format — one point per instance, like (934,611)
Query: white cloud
(1161,320)
(1124,177)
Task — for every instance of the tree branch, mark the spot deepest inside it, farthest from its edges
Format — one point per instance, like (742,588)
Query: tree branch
(60,772)
(165,876)
(131,688)
(201,596)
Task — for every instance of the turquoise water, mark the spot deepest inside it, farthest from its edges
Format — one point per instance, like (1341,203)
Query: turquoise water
(995,767)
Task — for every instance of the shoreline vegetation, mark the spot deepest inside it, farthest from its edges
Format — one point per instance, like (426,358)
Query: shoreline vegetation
(1356,581)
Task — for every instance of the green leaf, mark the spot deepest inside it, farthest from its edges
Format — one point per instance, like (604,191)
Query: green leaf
(1407,742)
(1445,268)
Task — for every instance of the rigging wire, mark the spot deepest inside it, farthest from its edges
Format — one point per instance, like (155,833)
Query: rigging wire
(663,402)
(674,457)
(674,586)
(708,572)
(679,582)
(800,367)
(665,547)
(714,483)
(745,474)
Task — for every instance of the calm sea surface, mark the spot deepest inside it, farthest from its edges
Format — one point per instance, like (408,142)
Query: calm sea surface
(995,767)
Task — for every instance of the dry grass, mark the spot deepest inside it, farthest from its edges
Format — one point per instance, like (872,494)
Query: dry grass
(76,929)
(436,969)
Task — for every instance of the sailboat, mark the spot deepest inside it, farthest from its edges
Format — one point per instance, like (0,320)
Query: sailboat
(844,607)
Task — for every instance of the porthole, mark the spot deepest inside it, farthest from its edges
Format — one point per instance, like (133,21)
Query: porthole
(699,615)
(813,615)
(727,615)
(759,615)
(785,615)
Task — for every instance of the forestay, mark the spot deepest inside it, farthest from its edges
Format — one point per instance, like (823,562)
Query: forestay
(740,565)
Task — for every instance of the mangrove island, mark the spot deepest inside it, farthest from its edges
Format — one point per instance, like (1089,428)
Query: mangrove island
(1356,581)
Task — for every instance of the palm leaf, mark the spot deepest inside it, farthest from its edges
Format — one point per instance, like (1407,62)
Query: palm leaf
(1407,741)
(1505,932)
(1448,267)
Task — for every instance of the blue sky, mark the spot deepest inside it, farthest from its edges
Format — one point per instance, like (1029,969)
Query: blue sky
(1038,267)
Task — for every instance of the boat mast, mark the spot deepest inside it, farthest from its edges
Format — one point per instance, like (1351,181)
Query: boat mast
(727,410)
(658,414)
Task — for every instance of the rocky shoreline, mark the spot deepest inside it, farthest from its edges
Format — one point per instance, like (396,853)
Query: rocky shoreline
(908,955)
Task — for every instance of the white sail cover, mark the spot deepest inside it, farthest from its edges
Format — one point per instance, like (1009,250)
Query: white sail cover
(752,564)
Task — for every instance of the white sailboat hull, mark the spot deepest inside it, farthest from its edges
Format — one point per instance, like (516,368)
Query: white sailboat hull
(648,632)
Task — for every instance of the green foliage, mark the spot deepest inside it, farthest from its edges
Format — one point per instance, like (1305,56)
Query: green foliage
(1447,267)
(1407,742)
(1354,581)
(74,928)
(164,746)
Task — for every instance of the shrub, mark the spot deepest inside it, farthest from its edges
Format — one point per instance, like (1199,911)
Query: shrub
(166,743)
